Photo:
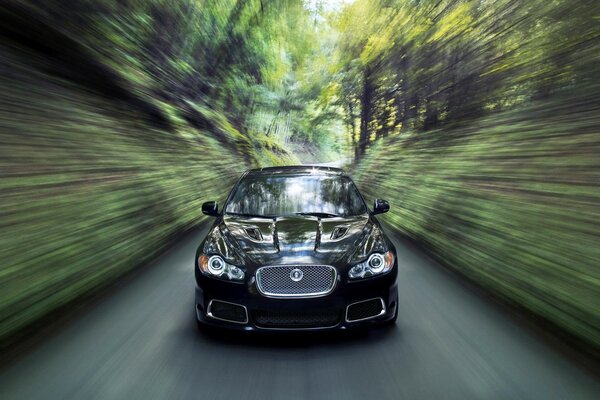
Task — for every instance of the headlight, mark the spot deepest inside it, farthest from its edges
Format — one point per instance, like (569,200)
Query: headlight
(376,264)
(216,267)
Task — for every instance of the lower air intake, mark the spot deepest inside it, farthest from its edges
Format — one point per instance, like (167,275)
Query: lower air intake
(365,309)
(297,319)
(227,311)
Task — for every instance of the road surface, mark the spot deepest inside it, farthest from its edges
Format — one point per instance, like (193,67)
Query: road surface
(141,342)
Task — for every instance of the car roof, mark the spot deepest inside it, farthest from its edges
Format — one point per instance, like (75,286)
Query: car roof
(296,170)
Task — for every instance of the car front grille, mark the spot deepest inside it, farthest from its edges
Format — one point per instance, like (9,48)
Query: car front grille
(295,280)
(297,319)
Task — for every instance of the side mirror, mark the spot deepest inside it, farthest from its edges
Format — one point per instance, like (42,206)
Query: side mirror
(210,208)
(380,206)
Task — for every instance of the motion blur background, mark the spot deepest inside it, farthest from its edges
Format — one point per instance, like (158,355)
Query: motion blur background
(478,120)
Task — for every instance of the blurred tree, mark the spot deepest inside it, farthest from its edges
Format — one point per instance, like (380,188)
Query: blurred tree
(422,64)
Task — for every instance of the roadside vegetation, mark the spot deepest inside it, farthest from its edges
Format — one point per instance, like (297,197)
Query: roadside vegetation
(118,120)
(511,202)
(477,119)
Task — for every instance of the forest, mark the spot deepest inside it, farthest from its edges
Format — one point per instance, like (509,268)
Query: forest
(478,119)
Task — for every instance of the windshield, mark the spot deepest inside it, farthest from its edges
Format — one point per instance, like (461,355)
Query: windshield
(281,195)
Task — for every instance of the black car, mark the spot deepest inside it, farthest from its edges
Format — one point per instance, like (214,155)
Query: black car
(295,248)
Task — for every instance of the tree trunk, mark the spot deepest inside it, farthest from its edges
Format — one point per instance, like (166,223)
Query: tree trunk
(273,122)
(352,125)
(431,115)
(365,112)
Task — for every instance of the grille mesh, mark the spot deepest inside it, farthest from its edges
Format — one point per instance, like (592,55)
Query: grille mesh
(296,319)
(228,311)
(276,280)
(364,309)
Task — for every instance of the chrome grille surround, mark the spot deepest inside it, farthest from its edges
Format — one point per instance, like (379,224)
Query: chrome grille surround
(276,281)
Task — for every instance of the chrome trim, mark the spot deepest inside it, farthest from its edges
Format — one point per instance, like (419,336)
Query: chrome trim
(383,310)
(336,229)
(295,278)
(258,239)
(295,296)
(209,314)
(312,328)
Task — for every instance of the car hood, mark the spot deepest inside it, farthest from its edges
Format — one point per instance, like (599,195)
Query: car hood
(293,240)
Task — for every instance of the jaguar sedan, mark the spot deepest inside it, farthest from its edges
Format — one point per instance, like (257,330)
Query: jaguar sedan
(295,248)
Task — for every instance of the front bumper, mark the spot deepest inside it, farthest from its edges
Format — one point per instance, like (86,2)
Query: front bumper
(344,294)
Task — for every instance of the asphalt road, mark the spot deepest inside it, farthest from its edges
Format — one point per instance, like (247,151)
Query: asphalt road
(141,342)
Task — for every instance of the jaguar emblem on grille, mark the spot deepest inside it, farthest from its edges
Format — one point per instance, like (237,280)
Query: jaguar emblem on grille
(296,275)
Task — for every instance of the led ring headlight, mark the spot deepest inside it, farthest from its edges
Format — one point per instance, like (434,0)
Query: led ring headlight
(216,265)
(235,273)
(376,262)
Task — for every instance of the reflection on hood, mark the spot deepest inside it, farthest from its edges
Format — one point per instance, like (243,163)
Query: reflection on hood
(297,239)
(217,242)
(372,242)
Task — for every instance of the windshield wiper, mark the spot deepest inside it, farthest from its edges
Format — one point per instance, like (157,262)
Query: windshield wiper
(318,214)
(248,215)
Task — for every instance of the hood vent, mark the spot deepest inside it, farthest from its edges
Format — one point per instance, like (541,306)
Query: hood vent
(254,233)
(339,232)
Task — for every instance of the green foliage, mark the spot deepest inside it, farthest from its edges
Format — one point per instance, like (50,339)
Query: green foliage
(89,191)
(425,64)
(246,59)
(479,120)
(119,119)
(510,201)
